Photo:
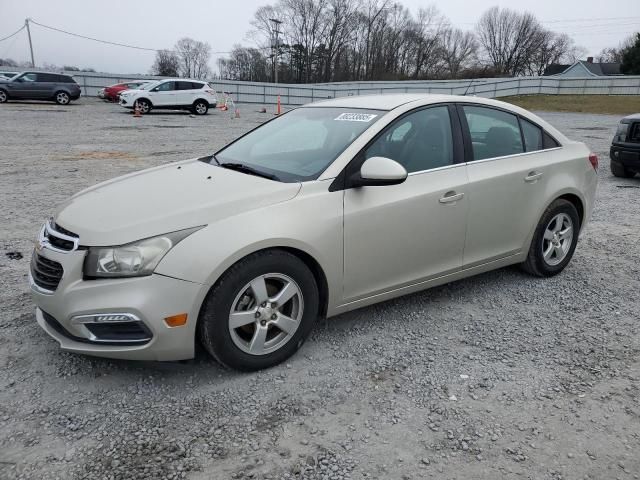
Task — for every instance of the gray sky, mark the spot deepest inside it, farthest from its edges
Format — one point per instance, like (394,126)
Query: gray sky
(159,23)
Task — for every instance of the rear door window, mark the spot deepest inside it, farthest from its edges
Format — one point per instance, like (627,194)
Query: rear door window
(494,133)
(532,136)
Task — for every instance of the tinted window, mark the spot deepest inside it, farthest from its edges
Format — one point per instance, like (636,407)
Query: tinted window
(532,136)
(494,133)
(183,86)
(548,141)
(166,87)
(196,85)
(47,77)
(419,141)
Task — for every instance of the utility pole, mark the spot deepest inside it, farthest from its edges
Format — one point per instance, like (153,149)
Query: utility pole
(276,29)
(26,24)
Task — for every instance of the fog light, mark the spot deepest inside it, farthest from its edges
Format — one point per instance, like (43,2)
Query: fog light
(176,320)
(105,318)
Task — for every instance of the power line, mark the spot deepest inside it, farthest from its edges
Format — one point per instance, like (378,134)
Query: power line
(14,33)
(95,39)
(113,43)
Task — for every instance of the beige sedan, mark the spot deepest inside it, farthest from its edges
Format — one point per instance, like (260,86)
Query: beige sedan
(328,208)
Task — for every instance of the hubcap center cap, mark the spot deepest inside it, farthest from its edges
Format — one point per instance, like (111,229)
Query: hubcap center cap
(267,312)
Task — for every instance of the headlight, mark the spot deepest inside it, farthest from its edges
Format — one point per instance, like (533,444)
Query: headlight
(135,259)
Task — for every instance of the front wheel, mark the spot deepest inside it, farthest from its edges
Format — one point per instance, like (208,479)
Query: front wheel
(260,311)
(143,106)
(3,96)
(200,107)
(554,240)
(62,98)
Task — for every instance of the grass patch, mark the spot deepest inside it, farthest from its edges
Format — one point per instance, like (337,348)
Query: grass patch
(610,104)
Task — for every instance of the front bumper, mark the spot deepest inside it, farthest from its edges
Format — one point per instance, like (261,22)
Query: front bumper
(627,155)
(148,299)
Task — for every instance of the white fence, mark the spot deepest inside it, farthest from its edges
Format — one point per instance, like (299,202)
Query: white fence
(295,94)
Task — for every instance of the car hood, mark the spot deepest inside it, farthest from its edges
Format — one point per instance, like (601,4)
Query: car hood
(165,199)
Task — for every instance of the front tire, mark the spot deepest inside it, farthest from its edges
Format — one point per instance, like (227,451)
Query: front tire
(200,107)
(62,98)
(143,105)
(260,311)
(618,170)
(4,96)
(554,240)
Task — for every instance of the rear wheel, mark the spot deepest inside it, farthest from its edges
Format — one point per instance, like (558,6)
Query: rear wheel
(200,107)
(618,170)
(62,98)
(3,96)
(554,240)
(260,311)
(143,105)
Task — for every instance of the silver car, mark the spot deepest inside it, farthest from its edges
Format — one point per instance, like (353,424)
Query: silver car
(325,209)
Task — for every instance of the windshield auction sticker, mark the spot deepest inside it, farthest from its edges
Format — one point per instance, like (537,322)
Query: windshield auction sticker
(355,117)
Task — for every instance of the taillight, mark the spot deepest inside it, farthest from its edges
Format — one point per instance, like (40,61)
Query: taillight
(593,159)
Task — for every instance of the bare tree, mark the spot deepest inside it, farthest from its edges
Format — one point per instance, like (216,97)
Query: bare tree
(167,64)
(459,50)
(194,58)
(509,39)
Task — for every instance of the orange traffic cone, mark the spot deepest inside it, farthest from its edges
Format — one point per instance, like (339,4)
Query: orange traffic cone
(237,113)
(279,111)
(136,111)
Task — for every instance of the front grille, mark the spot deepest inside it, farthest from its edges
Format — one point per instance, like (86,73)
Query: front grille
(46,273)
(59,237)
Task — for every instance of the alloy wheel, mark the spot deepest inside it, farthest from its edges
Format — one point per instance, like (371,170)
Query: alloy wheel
(62,98)
(557,239)
(142,106)
(266,314)
(201,108)
(3,96)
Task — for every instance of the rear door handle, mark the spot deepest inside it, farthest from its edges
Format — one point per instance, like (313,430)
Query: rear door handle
(532,177)
(451,197)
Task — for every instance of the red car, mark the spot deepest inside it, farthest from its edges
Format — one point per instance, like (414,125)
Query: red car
(112,93)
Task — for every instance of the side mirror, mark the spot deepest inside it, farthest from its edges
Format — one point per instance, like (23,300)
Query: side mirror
(378,171)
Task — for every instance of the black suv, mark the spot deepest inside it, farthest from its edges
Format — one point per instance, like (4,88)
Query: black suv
(625,148)
(39,86)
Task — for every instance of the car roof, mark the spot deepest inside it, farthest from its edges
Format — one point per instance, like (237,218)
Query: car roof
(391,101)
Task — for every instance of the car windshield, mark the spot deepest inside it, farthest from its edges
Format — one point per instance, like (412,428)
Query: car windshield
(299,145)
(148,86)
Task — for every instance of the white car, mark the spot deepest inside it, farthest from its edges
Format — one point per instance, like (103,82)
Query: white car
(174,94)
(330,207)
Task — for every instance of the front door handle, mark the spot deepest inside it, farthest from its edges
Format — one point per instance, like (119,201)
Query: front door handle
(532,177)
(451,197)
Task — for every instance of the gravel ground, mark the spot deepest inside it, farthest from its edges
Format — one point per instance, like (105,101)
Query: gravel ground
(498,376)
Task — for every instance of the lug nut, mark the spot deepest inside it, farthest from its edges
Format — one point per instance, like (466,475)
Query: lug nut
(274,316)
(257,314)
(263,322)
(264,304)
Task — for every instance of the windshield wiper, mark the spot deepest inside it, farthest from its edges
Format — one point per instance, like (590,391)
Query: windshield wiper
(241,167)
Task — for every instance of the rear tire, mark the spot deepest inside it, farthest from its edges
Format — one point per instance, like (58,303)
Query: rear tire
(554,240)
(618,170)
(240,325)
(62,98)
(200,107)
(4,96)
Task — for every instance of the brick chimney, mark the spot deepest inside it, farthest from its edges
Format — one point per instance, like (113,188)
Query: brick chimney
(589,59)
